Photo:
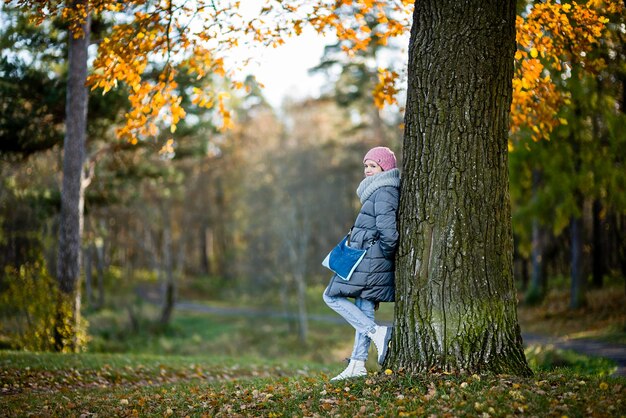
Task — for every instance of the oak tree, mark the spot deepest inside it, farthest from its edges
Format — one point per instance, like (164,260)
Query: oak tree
(456,300)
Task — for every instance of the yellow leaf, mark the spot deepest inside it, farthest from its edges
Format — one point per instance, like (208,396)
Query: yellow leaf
(388,372)
(533,52)
(563,121)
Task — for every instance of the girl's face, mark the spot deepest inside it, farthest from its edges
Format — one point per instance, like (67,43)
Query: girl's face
(371,168)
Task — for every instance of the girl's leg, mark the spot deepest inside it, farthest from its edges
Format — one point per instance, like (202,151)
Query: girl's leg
(380,335)
(362,341)
(349,311)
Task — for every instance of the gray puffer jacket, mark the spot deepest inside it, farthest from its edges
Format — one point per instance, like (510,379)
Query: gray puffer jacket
(373,279)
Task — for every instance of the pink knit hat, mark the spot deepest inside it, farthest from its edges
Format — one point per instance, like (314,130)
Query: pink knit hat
(383,156)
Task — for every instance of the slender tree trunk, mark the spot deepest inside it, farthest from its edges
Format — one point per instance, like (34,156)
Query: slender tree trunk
(296,238)
(100,266)
(72,197)
(181,256)
(205,267)
(524,273)
(220,240)
(599,254)
(283,287)
(455,293)
(88,256)
(303,318)
(378,126)
(537,281)
(538,284)
(168,290)
(621,250)
(99,245)
(577,299)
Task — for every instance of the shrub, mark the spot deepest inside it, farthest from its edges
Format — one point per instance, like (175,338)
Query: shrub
(31,302)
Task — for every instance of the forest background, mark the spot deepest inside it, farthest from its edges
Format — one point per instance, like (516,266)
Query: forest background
(242,217)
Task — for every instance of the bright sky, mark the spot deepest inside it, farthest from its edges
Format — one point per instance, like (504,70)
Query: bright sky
(284,70)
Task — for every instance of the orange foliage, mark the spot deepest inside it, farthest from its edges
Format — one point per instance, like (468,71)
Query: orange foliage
(168,36)
(155,42)
(385,91)
(551,40)
(158,38)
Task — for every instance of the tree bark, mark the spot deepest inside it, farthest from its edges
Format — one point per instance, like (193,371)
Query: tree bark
(205,267)
(303,317)
(577,298)
(88,256)
(168,290)
(455,293)
(99,249)
(72,193)
(621,228)
(537,282)
(599,254)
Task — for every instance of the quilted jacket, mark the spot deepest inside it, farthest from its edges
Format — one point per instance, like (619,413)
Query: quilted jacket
(373,279)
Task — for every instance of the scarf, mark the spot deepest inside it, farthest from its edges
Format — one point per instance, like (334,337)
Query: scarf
(372,183)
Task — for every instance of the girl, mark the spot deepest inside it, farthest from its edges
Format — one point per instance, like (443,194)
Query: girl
(373,280)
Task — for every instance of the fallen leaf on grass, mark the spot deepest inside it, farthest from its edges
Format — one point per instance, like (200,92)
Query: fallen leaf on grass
(432,391)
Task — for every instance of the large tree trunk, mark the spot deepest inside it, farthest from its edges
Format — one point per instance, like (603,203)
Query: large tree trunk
(455,295)
(72,197)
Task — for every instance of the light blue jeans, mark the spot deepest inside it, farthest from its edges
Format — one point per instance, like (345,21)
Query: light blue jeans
(360,315)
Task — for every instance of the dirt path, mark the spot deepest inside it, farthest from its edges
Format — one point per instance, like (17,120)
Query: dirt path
(615,352)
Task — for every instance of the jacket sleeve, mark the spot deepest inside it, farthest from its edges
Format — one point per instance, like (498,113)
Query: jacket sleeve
(385,212)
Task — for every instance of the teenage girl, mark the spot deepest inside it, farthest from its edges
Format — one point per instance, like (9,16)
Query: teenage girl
(373,280)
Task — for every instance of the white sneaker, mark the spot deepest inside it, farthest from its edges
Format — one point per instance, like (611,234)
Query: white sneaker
(356,368)
(381,337)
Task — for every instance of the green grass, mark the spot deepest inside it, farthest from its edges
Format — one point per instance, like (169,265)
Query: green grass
(547,358)
(145,385)
(214,365)
(197,333)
